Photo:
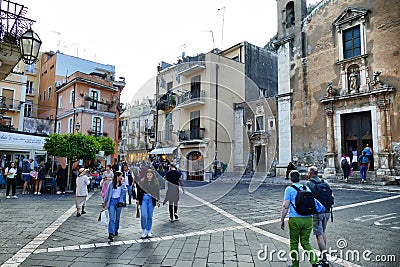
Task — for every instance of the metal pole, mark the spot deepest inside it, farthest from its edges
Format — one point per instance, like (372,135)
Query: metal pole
(216,121)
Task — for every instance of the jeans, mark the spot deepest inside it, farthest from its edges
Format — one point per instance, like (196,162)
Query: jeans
(300,230)
(130,193)
(115,214)
(146,210)
(363,171)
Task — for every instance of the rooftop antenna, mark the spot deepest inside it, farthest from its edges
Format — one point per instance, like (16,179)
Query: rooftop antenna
(212,35)
(223,22)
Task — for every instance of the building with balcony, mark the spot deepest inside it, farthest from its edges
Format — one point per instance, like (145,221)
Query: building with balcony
(137,130)
(90,104)
(338,75)
(196,97)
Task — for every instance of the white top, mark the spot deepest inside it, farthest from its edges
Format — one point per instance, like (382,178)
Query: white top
(355,156)
(81,185)
(11,172)
(116,193)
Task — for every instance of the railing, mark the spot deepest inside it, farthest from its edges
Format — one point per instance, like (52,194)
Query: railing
(99,106)
(13,104)
(188,97)
(12,22)
(196,133)
(30,91)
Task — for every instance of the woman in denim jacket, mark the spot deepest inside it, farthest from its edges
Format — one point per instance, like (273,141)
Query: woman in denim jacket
(114,201)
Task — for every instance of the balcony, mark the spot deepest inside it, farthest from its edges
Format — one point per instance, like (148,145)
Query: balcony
(97,133)
(12,25)
(194,134)
(13,104)
(188,100)
(99,105)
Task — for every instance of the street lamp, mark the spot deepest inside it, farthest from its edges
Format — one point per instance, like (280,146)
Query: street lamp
(77,126)
(29,44)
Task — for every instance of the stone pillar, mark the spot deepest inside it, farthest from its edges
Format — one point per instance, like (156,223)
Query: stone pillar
(385,153)
(330,169)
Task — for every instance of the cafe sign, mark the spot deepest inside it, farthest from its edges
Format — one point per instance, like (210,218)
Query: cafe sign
(21,139)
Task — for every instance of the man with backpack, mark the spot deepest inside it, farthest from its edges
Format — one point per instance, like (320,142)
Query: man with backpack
(300,226)
(323,194)
(363,160)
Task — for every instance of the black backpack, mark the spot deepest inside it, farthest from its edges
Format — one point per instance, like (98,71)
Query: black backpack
(323,193)
(304,202)
(345,164)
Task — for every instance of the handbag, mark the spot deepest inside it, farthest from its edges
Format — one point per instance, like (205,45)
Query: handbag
(120,204)
(137,212)
(104,217)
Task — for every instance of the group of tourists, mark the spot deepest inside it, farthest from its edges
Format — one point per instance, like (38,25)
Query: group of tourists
(30,175)
(309,207)
(120,185)
(363,162)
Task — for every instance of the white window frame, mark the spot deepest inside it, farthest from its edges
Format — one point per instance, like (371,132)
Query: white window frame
(29,87)
(256,123)
(71,96)
(58,127)
(49,92)
(26,107)
(102,123)
(60,101)
(70,125)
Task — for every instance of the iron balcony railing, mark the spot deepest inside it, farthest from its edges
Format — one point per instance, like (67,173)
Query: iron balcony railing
(195,133)
(189,97)
(13,22)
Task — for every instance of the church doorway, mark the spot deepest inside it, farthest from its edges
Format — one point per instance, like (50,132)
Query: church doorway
(357,132)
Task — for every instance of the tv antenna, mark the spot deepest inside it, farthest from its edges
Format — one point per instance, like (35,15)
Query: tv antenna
(212,35)
(223,22)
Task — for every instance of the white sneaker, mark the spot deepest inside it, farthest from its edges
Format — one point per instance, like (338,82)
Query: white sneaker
(150,235)
(8,197)
(58,192)
(35,193)
(144,234)
(39,193)
(14,197)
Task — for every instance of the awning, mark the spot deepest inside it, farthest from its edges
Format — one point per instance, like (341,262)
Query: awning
(163,150)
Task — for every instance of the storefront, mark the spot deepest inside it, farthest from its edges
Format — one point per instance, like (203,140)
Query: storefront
(16,146)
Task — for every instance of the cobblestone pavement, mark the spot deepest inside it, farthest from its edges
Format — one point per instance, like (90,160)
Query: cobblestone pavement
(220,225)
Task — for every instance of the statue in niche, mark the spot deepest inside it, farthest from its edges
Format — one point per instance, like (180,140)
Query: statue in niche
(289,14)
(353,82)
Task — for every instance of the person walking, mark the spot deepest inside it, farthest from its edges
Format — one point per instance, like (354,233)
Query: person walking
(300,226)
(26,176)
(368,152)
(108,176)
(345,165)
(114,201)
(40,178)
(363,160)
(174,179)
(82,182)
(61,179)
(129,181)
(147,197)
(320,220)
(11,174)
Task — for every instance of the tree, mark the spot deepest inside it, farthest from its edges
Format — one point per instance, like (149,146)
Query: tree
(73,147)
(107,145)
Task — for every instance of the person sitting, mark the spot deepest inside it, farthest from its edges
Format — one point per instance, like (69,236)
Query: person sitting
(290,167)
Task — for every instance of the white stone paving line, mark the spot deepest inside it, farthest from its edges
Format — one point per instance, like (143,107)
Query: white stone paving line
(32,246)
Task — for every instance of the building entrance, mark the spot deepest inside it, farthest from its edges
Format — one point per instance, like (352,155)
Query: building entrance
(357,132)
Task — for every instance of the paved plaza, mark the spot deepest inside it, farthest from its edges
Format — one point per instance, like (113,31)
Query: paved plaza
(220,224)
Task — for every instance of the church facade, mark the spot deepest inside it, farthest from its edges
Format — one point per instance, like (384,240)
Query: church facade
(338,76)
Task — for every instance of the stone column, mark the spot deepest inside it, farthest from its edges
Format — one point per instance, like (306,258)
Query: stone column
(330,169)
(385,153)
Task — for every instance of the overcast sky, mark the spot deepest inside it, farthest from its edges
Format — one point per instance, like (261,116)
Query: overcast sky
(135,36)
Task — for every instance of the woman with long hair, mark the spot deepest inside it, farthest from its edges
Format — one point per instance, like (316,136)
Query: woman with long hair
(108,176)
(114,200)
(147,197)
